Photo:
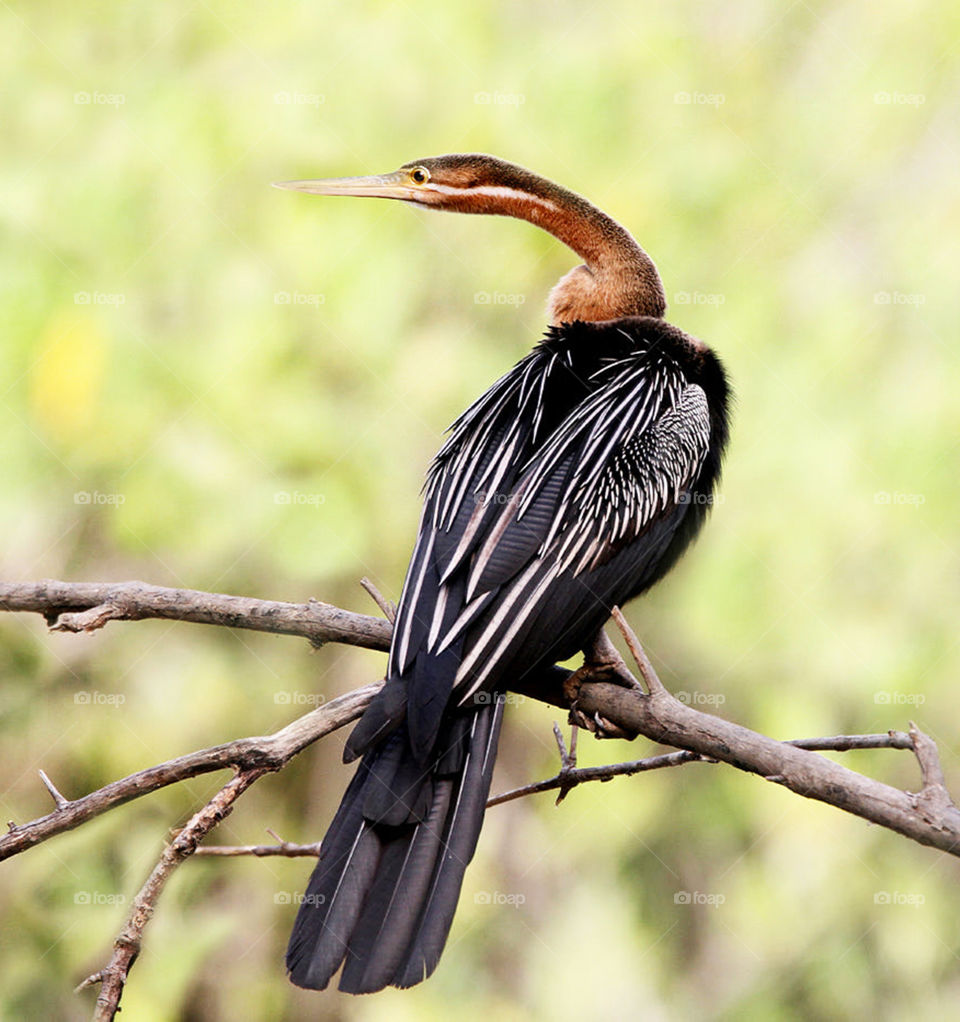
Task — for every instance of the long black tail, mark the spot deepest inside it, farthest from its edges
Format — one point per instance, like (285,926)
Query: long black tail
(386,885)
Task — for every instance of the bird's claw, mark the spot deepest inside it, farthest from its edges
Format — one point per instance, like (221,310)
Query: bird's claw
(607,729)
(599,726)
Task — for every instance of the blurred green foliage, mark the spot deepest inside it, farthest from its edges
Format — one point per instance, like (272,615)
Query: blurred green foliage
(206,382)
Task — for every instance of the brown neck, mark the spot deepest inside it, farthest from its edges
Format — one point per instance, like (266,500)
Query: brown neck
(617,279)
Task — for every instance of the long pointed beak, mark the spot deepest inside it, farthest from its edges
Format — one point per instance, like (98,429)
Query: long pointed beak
(377,186)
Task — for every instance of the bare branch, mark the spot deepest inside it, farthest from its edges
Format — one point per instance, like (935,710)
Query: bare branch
(87,606)
(285,849)
(933,801)
(389,609)
(847,743)
(270,752)
(570,778)
(127,946)
(650,677)
(929,818)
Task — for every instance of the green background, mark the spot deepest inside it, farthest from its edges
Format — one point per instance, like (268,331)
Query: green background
(793,171)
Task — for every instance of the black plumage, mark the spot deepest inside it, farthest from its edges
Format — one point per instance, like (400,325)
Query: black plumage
(571,486)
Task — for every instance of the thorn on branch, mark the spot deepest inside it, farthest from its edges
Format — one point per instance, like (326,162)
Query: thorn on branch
(59,800)
(91,981)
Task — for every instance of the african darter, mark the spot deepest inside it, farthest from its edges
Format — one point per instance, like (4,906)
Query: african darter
(569,487)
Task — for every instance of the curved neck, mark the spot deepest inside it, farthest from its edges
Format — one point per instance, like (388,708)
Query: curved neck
(617,279)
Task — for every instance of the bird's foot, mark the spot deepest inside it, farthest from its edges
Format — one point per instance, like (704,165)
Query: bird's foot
(601,662)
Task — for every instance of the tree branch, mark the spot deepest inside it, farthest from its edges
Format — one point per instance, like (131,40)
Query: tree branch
(569,776)
(283,849)
(928,817)
(113,977)
(269,753)
(87,606)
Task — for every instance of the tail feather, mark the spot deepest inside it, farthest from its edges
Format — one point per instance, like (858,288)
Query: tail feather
(382,717)
(459,842)
(398,790)
(383,894)
(392,910)
(335,894)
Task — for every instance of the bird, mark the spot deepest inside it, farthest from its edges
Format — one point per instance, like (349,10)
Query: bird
(569,487)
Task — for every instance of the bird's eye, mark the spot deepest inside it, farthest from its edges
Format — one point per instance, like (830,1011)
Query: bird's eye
(419,175)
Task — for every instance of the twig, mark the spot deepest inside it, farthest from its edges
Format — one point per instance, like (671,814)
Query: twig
(568,761)
(389,609)
(568,779)
(270,752)
(933,800)
(848,743)
(650,677)
(127,946)
(58,799)
(286,849)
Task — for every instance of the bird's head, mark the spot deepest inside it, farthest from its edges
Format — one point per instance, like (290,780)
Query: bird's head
(461,183)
